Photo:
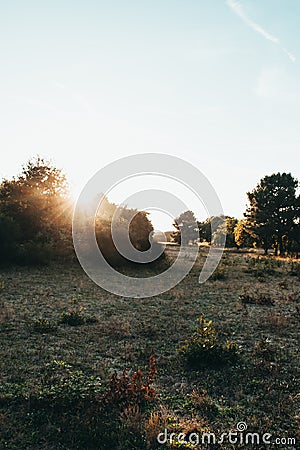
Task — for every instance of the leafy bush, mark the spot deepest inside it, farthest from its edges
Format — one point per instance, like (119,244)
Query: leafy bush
(203,349)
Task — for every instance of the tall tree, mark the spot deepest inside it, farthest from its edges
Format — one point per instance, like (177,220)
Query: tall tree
(205,227)
(273,210)
(37,201)
(186,228)
(226,229)
(242,235)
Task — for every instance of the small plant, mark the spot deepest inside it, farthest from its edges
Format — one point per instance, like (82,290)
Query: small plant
(76,316)
(259,299)
(133,389)
(73,318)
(283,284)
(263,350)
(203,349)
(42,325)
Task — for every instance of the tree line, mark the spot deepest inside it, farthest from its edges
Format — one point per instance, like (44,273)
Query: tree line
(36,219)
(271,220)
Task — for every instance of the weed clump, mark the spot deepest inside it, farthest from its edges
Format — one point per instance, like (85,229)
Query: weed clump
(203,348)
(134,389)
(75,316)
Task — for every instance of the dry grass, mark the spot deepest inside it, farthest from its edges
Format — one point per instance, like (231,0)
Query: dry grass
(126,332)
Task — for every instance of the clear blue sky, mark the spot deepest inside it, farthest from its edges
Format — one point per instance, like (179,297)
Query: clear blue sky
(213,81)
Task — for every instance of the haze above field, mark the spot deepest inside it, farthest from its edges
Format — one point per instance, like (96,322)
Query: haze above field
(213,82)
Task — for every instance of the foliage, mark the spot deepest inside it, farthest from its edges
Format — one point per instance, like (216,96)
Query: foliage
(205,227)
(225,233)
(88,410)
(35,207)
(134,389)
(42,325)
(203,348)
(186,228)
(242,235)
(273,212)
(63,385)
(204,404)
(75,315)
(124,222)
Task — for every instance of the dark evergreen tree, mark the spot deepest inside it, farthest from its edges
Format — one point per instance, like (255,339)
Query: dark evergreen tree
(273,211)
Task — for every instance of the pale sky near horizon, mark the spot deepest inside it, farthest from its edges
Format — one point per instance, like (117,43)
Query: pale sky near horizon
(215,82)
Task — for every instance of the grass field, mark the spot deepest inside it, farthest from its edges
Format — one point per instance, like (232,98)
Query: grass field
(62,338)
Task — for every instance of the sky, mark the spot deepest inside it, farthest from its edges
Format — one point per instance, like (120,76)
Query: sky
(214,82)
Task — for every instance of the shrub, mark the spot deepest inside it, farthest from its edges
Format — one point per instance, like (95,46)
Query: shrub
(72,318)
(75,315)
(203,349)
(10,234)
(131,389)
